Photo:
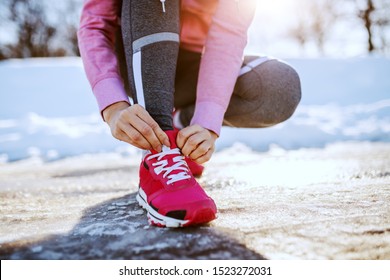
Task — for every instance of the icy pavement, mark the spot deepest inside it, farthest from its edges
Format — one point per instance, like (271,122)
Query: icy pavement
(331,203)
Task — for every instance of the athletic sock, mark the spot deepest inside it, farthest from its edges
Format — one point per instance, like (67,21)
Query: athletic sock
(176,120)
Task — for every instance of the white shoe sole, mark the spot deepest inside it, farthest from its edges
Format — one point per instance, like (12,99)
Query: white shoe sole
(154,217)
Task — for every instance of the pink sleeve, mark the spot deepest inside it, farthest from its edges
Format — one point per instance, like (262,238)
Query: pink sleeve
(96,35)
(221,61)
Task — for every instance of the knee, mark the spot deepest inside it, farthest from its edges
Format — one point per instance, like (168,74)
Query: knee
(279,92)
(288,90)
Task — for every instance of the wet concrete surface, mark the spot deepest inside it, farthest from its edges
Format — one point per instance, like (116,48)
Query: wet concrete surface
(330,203)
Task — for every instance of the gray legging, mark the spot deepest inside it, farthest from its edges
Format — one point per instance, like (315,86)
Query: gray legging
(160,75)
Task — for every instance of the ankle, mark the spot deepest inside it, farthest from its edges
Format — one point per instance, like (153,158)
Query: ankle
(176,120)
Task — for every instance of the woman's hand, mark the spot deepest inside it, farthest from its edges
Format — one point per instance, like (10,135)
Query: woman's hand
(197,143)
(134,125)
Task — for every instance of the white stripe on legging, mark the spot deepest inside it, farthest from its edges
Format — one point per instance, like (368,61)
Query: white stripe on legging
(137,72)
(253,64)
(154,38)
(137,65)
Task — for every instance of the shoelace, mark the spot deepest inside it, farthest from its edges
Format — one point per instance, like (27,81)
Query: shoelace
(179,164)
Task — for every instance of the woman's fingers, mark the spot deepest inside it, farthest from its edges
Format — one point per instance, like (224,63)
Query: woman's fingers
(189,138)
(205,158)
(197,143)
(156,133)
(135,126)
(201,150)
(132,136)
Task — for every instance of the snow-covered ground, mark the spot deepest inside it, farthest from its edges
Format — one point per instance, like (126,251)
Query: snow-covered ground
(47,109)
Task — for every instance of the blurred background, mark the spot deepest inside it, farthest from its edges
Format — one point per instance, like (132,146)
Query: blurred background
(285,28)
(340,49)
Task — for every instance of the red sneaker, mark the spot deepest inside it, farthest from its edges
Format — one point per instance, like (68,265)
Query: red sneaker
(195,168)
(169,192)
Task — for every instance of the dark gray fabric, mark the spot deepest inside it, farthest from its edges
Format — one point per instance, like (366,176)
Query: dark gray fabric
(265,96)
(141,18)
(188,64)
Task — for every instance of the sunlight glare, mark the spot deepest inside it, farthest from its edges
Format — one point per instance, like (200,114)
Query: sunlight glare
(275,6)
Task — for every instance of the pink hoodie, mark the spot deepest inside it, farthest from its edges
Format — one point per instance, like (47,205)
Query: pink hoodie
(218,28)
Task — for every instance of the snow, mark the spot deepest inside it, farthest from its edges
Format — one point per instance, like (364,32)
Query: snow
(47,110)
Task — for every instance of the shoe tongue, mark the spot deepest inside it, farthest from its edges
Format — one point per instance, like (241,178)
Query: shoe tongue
(165,148)
(172,137)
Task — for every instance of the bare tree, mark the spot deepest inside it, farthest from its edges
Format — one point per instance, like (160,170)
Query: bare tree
(34,34)
(299,33)
(366,15)
(325,15)
(314,23)
(317,18)
(69,17)
(375,18)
